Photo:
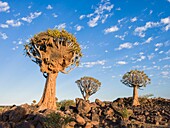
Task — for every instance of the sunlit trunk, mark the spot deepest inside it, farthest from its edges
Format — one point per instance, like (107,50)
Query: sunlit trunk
(48,99)
(86,97)
(135,96)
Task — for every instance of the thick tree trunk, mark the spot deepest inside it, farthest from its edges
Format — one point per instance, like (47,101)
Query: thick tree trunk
(135,96)
(86,97)
(48,99)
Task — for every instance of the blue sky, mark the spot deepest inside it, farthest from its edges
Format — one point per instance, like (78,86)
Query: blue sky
(115,36)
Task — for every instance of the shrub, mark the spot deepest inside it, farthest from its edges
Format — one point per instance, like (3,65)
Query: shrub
(62,105)
(55,120)
(1,108)
(125,113)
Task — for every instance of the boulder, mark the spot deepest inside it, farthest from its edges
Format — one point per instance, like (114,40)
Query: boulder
(80,120)
(100,103)
(88,125)
(5,125)
(83,106)
(17,114)
(24,124)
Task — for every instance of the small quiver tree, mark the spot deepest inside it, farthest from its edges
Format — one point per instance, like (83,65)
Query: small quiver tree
(54,51)
(135,79)
(88,86)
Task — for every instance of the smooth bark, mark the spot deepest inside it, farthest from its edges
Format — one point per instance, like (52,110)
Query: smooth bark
(86,97)
(135,96)
(48,99)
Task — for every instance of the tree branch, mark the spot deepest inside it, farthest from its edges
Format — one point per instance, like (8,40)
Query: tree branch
(37,49)
(66,72)
(31,55)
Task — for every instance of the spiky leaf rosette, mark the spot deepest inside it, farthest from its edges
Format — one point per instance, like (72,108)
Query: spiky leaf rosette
(88,85)
(54,51)
(135,78)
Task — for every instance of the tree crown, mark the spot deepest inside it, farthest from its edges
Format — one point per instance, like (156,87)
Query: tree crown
(88,85)
(54,51)
(135,78)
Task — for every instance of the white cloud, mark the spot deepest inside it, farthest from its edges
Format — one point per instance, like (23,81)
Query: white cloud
(119,21)
(55,15)
(29,6)
(143,57)
(133,19)
(113,76)
(78,27)
(107,67)
(84,46)
(118,9)
(139,57)
(15,48)
(111,29)
(20,42)
(150,56)
(3,25)
(124,46)
(121,62)
(165,74)
(150,12)
(136,44)
(149,40)
(3,35)
(82,17)
(101,13)
(167,43)
(13,23)
(156,49)
(140,30)
(166,66)
(141,53)
(166,58)
(31,17)
(120,37)
(168,0)
(4,7)
(49,7)
(17,14)
(159,44)
(105,18)
(93,22)
(166,21)
(161,52)
(61,26)
(168,52)
(91,64)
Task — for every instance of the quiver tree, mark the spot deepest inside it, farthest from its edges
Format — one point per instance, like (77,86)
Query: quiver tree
(88,86)
(135,79)
(54,51)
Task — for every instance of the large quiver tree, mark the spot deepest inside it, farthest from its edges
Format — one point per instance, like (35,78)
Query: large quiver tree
(88,86)
(135,79)
(54,51)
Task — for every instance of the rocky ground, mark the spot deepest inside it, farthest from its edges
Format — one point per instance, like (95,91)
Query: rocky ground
(152,113)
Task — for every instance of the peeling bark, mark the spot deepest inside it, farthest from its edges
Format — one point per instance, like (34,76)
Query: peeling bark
(135,96)
(48,99)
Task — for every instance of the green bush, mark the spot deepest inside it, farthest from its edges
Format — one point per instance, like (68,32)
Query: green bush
(1,108)
(62,105)
(55,120)
(125,113)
